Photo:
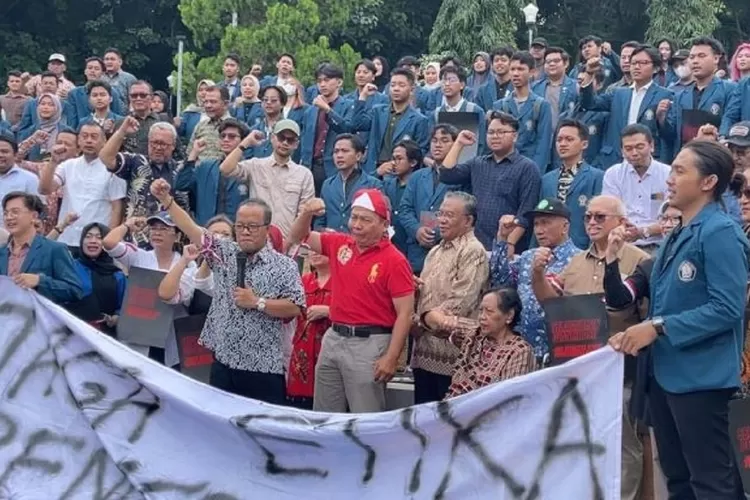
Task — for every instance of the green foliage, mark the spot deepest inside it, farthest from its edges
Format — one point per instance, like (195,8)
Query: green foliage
(682,20)
(468,26)
(299,28)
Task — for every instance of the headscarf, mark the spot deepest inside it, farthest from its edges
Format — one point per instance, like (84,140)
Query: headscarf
(385,77)
(241,99)
(734,71)
(164,98)
(433,86)
(197,107)
(476,80)
(103,263)
(50,125)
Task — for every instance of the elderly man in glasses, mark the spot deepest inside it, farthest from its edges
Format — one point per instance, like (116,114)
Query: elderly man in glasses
(275,179)
(585,275)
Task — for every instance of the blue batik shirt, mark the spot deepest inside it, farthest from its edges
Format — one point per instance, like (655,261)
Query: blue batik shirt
(517,273)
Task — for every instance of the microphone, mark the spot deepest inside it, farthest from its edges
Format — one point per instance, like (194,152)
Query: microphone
(241,263)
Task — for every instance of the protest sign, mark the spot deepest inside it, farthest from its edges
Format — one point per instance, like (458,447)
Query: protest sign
(576,325)
(145,319)
(463,120)
(195,360)
(83,416)
(693,120)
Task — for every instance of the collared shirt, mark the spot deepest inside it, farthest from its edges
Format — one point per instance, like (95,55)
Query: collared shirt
(642,196)
(208,130)
(517,273)
(17,179)
(386,150)
(585,275)
(364,283)
(453,109)
(88,190)
(16,257)
(484,360)
(636,99)
(510,186)
(138,142)
(285,187)
(52,200)
(232,86)
(248,339)
(566,179)
(455,273)
(122,80)
(13,105)
(501,89)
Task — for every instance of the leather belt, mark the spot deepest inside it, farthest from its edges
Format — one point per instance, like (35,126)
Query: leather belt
(359,331)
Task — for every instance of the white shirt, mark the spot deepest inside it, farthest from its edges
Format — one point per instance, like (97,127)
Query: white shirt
(642,196)
(88,190)
(453,109)
(17,179)
(636,99)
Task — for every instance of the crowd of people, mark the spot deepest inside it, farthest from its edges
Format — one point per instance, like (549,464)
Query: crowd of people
(625,174)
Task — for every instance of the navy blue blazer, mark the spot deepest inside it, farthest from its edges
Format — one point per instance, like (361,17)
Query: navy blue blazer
(88,119)
(715,100)
(78,107)
(568,93)
(338,206)
(738,108)
(339,121)
(617,102)
(237,90)
(535,132)
(203,180)
(413,125)
(699,286)
(249,113)
(470,107)
(596,122)
(487,94)
(373,100)
(52,261)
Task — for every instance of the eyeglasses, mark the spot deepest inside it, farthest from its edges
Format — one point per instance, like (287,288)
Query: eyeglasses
(553,61)
(140,96)
(746,193)
(640,63)
(499,133)
(677,219)
(240,228)
(451,80)
(271,101)
(598,218)
(229,136)
(448,215)
(160,144)
(287,139)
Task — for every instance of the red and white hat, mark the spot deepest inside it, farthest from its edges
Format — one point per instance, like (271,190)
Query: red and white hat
(373,200)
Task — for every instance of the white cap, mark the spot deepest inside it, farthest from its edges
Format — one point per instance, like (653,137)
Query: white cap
(56,57)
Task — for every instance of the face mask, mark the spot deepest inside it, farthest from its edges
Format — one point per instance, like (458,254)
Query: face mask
(682,72)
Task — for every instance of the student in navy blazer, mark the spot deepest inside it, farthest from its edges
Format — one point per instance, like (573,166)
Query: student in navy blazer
(498,86)
(738,108)
(284,70)
(555,62)
(408,123)
(595,121)
(698,293)
(712,92)
(338,190)
(534,115)
(407,158)
(364,74)
(422,198)
(48,266)
(643,63)
(583,181)
(330,110)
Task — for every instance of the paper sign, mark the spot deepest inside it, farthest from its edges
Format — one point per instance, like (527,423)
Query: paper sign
(576,325)
(145,319)
(463,120)
(195,360)
(428,219)
(693,120)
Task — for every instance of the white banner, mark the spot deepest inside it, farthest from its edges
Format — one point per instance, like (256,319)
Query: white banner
(83,417)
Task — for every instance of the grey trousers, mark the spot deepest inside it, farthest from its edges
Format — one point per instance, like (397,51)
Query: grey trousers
(632,452)
(345,374)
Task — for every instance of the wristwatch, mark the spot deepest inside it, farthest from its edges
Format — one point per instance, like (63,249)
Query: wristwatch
(658,323)
(261,306)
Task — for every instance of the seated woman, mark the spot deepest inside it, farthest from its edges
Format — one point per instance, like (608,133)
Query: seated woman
(308,336)
(164,237)
(491,351)
(49,122)
(103,282)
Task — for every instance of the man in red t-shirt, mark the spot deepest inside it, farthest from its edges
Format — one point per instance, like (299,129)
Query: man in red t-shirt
(372,300)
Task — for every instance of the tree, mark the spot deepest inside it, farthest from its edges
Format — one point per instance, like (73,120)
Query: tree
(467,26)
(682,20)
(144,32)
(299,28)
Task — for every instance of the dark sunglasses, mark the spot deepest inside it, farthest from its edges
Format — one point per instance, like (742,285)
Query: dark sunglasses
(288,139)
(140,96)
(598,218)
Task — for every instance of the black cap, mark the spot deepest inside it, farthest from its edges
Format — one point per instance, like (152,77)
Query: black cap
(681,55)
(542,42)
(739,135)
(549,206)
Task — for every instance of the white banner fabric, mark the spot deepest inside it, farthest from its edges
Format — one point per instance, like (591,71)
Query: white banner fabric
(83,417)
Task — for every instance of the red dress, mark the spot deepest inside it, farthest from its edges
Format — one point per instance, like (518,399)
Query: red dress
(308,338)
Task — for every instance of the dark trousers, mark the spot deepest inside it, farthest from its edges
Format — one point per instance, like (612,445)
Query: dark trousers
(157,354)
(692,436)
(429,386)
(266,387)
(319,175)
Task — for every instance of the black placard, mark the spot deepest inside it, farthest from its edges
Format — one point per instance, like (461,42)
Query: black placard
(145,319)
(463,120)
(576,325)
(195,360)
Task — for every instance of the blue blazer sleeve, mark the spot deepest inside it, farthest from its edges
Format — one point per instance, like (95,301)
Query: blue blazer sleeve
(544,135)
(593,102)
(186,177)
(122,284)
(407,216)
(62,284)
(733,111)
